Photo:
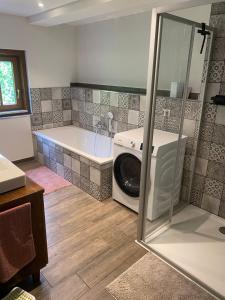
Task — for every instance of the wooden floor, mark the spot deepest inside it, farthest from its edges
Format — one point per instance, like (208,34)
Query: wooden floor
(90,244)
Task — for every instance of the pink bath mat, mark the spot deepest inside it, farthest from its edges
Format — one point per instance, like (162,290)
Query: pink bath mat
(50,181)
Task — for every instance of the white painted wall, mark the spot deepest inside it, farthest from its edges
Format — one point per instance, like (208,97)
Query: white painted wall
(114,52)
(51,62)
(50,51)
(16,138)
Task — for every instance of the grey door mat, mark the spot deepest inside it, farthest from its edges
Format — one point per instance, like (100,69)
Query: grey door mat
(151,278)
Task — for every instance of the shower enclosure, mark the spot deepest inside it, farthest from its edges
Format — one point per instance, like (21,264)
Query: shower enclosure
(178,69)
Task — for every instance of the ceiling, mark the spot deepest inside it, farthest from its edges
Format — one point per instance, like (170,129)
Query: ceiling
(56,12)
(29,7)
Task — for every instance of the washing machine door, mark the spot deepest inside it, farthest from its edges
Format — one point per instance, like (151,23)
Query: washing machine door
(127,173)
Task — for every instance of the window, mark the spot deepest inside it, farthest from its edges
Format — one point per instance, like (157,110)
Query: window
(14,95)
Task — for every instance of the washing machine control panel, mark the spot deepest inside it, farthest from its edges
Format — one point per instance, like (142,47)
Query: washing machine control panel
(132,143)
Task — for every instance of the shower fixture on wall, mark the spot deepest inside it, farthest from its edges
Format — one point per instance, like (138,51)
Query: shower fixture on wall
(204,33)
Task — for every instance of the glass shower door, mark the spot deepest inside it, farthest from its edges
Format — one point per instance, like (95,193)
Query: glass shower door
(166,157)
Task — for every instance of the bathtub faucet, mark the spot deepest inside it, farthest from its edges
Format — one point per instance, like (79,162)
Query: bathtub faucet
(100,125)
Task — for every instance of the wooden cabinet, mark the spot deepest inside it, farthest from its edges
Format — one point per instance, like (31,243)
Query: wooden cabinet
(32,193)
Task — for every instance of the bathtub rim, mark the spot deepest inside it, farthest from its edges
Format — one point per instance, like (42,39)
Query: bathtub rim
(99,160)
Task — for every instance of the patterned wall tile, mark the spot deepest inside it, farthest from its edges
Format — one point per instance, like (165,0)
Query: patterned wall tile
(222,210)
(57,105)
(76,179)
(171,125)
(189,127)
(122,126)
(88,95)
(141,119)
(196,197)
(222,89)
(123,115)
(106,176)
(206,131)
(95,191)
(218,8)
(85,170)
(160,105)
(60,170)
(123,100)
(97,109)
(218,22)
(59,157)
(66,93)
(201,166)
(218,52)
(35,100)
(142,102)
(68,174)
(114,99)
(175,107)
(46,94)
(85,184)
(78,94)
(89,108)
(56,93)
(57,117)
(192,110)
(203,149)
(75,105)
(216,171)
(66,104)
(67,115)
(219,134)
(209,113)
(216,69)
(198,182)
(159,120)
(220,115)
(210,204)
(212,89)
(96,96)
(213,188)
(104,110)
(217,153)
(47,117)
(53,165)
(46,106)
(36,119)
(67,160)
(133,117)
(105,98)
(106,191)
(190,146)
(134,102)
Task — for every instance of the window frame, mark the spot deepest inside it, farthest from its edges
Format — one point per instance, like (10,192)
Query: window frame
(18,59)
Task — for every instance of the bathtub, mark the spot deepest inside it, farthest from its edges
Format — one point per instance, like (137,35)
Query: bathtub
(80,156)
(95,147)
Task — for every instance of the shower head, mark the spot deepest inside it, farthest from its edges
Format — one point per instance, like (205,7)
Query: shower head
(110,115)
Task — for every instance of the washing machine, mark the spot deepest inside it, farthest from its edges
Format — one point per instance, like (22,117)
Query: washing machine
(163,187)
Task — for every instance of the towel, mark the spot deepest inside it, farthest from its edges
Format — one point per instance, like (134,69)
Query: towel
(16,241)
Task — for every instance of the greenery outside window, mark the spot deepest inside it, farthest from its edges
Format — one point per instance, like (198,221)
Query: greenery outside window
(14,95)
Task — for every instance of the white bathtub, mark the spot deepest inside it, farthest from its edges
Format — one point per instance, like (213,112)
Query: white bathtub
(90,145)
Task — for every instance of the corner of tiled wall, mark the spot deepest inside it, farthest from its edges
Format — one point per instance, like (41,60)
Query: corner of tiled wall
(91,106)
(209,181)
